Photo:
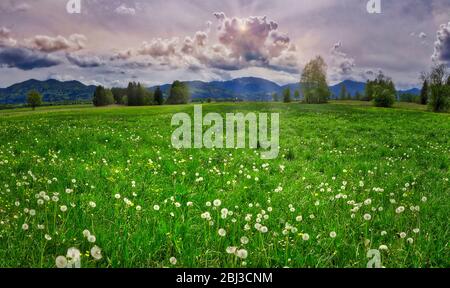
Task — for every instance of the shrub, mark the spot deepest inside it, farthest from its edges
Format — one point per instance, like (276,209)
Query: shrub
(383,97)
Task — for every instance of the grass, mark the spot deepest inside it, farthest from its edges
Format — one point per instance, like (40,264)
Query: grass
(338,163)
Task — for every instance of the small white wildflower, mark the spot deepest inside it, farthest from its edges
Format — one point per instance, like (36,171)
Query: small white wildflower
(222,232)
(96,253)
(61,262)
(242,253)
(173,261)
(91,238)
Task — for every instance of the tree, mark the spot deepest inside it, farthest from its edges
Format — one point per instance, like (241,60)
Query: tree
(383,97)
(314,82)
(381,90)
(448,80)
(138,95)
(179,93)
(424,93)
(287,95)
(102,97)
(119,95)
(439,99)
(159,98)
(369,91)
(34,99)
(358,96)
(343,94)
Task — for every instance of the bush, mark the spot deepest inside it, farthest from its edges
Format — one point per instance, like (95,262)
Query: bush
(439,98)
(383,97)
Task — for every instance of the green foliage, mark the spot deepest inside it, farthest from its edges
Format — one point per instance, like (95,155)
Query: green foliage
(439,100)
(102,97)
(369,91)
(382,91)
(358,96)
(410,98)
(314,82)
(119,95)
(383,97)
(159,97)
(424,93)
(179,94)
(287,95)
(138,95)
(34,99)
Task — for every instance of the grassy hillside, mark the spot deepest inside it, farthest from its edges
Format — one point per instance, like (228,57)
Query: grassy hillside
(373,178)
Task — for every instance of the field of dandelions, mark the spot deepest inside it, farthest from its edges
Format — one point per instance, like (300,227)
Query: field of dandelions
(85,187)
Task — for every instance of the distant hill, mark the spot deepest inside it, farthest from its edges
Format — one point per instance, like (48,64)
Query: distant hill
(414,91)
(51,90)
(352,87)
(248,89)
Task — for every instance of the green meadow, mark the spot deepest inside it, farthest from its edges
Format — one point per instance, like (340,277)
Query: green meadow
(350,178)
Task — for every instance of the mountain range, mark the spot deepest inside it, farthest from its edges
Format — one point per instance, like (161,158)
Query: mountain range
(248,89)
(51,90)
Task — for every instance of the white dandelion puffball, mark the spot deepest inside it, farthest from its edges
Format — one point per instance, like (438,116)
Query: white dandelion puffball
(156,207)
(173,261)
(96,253)
(400,210)
(47,237)
(410,240)
(403,235)
(25,227)
(138,208)
(61,262)
(217,203)
(305,237)
(91,238)
(333,234)
(231,250)
(63,208)
(245,240)
(242,253)
(117,196)
(222,232)
(73,253)
(367,217)
(383,248)
(86,233)
(92,204)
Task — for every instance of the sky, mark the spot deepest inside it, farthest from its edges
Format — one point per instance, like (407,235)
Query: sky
(112,42)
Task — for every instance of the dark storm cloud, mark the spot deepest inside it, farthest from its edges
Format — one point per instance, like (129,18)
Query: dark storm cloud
(26,59)
(84,61)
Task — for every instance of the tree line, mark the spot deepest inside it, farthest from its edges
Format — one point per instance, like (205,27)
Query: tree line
(137,95)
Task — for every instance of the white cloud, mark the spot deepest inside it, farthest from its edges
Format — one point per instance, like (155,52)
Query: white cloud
(59,43)
(239,43)
(124,10)
(442,44)
(5,38)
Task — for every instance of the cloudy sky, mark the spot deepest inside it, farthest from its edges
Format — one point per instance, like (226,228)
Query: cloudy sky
(157,41)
